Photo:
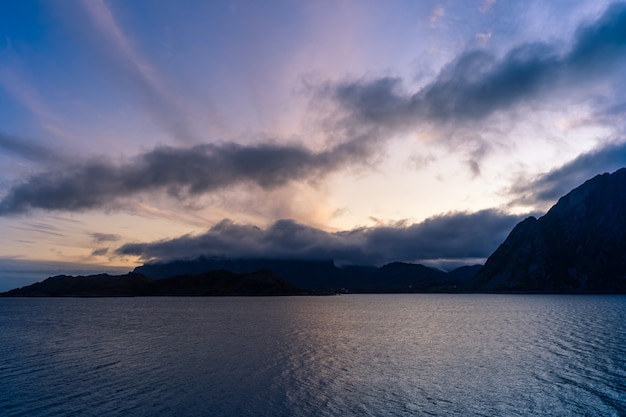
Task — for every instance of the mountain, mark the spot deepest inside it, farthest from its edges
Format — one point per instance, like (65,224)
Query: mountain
(408,277)
(206,276)
(221,282)
(310,274)
(213,283)
(325,275)
(462,275)
(92,285)
(578,246)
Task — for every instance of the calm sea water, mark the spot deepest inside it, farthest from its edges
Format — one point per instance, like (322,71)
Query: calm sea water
(355,355)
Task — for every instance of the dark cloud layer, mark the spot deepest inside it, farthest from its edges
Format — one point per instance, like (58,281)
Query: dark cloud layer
(472,87)
(450,236)
(179,171)
(548,188)
(478,84)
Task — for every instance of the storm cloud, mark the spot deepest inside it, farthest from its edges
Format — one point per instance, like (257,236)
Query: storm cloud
(181,172)
(459,236)
(549,187)
(478,83)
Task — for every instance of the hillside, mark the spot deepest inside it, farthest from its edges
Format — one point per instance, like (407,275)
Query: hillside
(326,276)
(214,283)
(578,246)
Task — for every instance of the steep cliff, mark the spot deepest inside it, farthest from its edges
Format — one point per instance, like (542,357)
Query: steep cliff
(578,246)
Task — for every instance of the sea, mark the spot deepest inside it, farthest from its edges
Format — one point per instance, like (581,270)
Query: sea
(348,355)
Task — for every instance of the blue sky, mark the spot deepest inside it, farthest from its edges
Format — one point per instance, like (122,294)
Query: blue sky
(363,131)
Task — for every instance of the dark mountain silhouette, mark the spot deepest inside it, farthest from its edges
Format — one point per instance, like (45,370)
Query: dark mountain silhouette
(407,277)
(464,274)
(325,275)
(92,285)
(578,246)
(308,274)
(221,282)
(203,276)
(213,283)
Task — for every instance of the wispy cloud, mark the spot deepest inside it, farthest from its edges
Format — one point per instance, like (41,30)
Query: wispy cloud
(104,237)
(452,236)
(100,252)
(437,13)
(103,17)
(26,149)
(474,86)
(30,98)
(159,97)
(26,95)
(41,228)
(483,37)
(487,5)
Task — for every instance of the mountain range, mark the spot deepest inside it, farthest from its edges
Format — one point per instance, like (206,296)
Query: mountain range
(578,246)
(325,275)
(208,283)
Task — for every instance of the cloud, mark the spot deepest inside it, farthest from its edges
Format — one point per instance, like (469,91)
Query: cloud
(437,13)
(478,84)
(100,252)
(483,37)
(26,149)
(181,172)
(486,6)
(104,237)
(122,57)
(451,236)
(549,187)
(601,43)
(13,82)
(472,87)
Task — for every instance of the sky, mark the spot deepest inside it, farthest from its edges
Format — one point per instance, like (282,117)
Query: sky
(360,131)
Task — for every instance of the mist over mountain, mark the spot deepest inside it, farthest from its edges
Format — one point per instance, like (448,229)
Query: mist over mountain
(325,275)
(578,246)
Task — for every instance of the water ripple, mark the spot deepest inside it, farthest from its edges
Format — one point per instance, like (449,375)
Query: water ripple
(376,355)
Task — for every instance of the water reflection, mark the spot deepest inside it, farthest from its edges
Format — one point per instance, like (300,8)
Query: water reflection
(394,355)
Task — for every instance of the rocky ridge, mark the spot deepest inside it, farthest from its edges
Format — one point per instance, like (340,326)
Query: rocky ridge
(578,246)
